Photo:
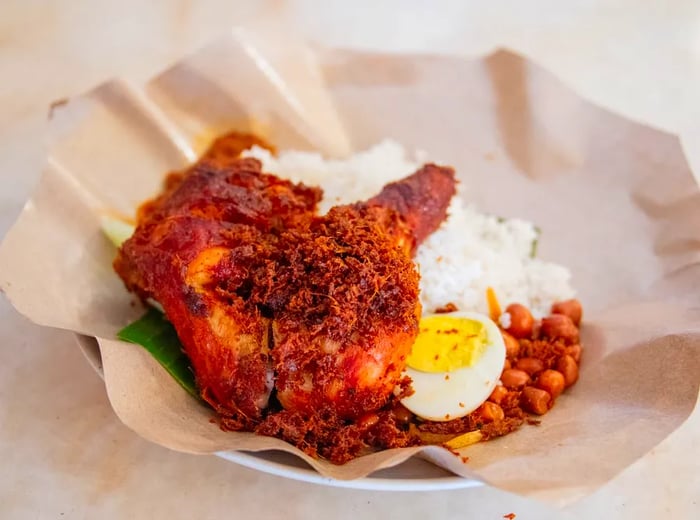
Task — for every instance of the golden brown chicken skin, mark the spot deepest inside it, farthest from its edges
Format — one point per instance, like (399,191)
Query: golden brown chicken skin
(233,214)
(271,300)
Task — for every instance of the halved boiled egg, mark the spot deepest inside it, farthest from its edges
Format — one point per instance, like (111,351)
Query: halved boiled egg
(454,365)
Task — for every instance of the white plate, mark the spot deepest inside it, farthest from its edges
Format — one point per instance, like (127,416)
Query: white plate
(413,475)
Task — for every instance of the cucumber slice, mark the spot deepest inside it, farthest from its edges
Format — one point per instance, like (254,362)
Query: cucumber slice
(117,230)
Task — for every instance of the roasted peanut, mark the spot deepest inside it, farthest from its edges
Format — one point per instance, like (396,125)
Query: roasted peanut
(401,414)
(498,394)
(368,420)
(514,378)
(559,326)
(570,308)
(535,400)
(491,412)
(512,345)
(574,351)
(536,329)
(520,321)
(568,368)
(552,382)
(530,365)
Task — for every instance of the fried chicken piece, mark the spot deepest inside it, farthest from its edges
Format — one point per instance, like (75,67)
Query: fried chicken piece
(346,308)
(176,257)
(421,200)
(222,153)
(263,292)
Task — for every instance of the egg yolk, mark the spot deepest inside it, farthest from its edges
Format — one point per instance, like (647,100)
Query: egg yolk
(447,343)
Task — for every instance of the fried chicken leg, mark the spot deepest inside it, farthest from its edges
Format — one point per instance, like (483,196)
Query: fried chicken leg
(216,224)
(265,294)
(349,296)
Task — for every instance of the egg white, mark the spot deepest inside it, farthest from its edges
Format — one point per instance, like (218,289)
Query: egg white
(443,396)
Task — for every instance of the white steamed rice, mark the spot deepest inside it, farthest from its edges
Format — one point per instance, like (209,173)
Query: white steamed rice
(470,252)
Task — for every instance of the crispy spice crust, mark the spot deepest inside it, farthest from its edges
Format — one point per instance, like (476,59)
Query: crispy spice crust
(347,307)
(262,290)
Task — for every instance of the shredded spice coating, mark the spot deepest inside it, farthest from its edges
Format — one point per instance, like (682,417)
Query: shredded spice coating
(297,325)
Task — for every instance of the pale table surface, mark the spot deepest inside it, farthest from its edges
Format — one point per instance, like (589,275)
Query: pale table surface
(63,452)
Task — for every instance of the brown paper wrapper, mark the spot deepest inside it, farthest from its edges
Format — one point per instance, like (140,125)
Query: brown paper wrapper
(615,200)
